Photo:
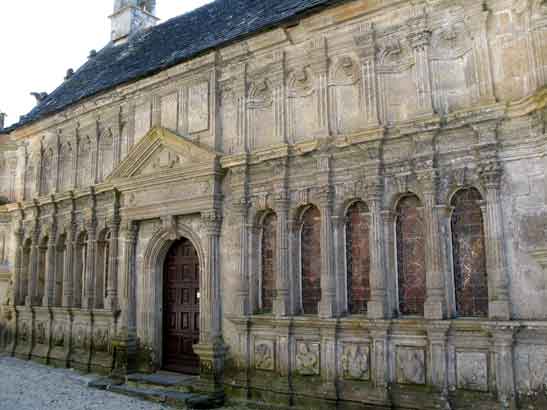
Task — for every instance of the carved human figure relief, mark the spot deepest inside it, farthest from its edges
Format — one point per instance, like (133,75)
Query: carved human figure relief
(47,184)
(472,371)
(106,153)
(307,358)
(355,361)
(84,162)
(302,112)
(264,355)
(410,365)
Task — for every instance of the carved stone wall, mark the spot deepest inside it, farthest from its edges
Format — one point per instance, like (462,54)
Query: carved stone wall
(433,114)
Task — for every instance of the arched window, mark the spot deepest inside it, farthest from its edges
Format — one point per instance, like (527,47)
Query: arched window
(470,277)
(103,264)
(411,256)
(80,269)
(41,279)
(268,256)
(357,258)
(59,270)
(310,260)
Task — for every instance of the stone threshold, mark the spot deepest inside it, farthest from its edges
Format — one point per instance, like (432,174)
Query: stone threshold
(168,388)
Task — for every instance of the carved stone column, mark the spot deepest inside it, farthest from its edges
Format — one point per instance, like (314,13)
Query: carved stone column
(277,77)
(419,39)
(32,292)
(241,213)
(282,302)
(17,283)
(364,38)
(503,340)
(111,302)
(50,268)
(94,155)
(390,260)
(211,349)
(490,170)
(128,319)
(377,307)
(89,285)
(55,164)
(210,306)
(435,305)
(68,269)
(327,305)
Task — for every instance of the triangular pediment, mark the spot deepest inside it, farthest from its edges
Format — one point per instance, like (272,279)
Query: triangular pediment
(162,150)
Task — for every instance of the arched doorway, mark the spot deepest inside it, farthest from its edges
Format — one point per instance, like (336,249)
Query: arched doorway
(181,308)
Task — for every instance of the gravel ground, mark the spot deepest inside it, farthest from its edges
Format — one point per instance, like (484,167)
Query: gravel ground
(30,386)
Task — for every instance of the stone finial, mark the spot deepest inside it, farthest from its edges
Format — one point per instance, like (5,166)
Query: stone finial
(69,73)
(92,54)
(39,96)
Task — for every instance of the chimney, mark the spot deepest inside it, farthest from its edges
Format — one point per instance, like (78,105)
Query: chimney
(3,116)
(130,17)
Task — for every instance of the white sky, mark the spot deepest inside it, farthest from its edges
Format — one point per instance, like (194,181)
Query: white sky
(40,40)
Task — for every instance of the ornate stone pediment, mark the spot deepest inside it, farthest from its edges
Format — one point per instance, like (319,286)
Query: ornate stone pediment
(161,150)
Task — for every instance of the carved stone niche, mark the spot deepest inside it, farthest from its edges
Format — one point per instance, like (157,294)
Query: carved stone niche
(472,371)
(59,335)
(264,355)
(100,339)
(41,333)
(355,361)
(410,365)
(80,338)
(308,358)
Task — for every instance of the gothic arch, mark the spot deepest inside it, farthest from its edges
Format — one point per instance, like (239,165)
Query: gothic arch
(153,277)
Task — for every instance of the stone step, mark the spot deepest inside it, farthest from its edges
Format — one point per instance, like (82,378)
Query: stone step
(162,380)
(156,388)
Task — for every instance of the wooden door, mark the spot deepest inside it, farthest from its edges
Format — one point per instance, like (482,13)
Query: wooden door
(181,310)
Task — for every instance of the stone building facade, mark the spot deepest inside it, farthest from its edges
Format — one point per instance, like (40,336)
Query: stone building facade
(345,208)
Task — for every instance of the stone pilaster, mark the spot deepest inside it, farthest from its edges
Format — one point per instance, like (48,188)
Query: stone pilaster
(390,260)
(437,337)
(210,303)
(477,21)
(68,269)
(89,285)
(419,39)
(55,164)
(211,348)
(490,170)
(279,98)
(94,154)
(241,213)
(435,305)
(320,68)
(50,268)
(327,305)
(31,299)
(503,340)
(17,283)
(328,357)
(379,333)
(111,302)
(364,38)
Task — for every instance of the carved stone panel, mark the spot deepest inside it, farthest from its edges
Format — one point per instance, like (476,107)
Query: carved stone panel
(25,333)
(472,371)
(100,339)
(41,333)
(308,358)
(356,361)
(531,368)
(169,111)
(80,338)
(198,107)
(410,365)
(264,355)
(143,120)
(58,335)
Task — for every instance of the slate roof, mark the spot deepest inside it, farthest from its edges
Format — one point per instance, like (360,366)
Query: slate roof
(168,44)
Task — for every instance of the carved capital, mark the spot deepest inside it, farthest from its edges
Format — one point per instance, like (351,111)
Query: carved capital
(169,224)
(130,230)
(364,37)
(212,221)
